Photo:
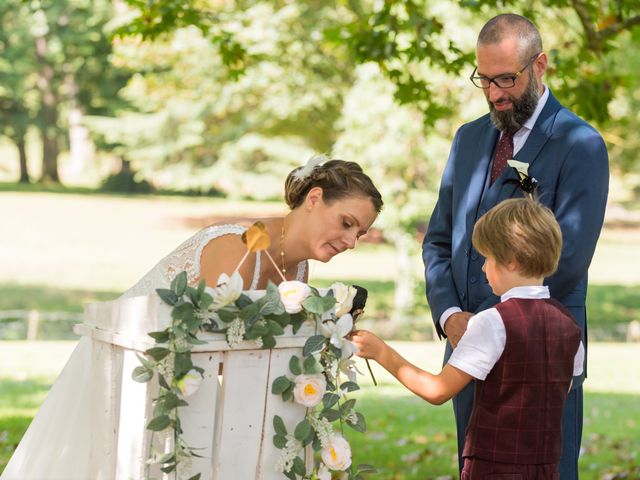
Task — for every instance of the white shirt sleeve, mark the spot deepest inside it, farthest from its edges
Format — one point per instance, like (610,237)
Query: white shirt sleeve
(446,314)
(578,361)
(481,345)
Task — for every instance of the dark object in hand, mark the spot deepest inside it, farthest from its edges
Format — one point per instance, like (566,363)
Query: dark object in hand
(357,308)
(359,301)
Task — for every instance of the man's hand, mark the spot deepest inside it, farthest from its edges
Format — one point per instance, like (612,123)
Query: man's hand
(455,326)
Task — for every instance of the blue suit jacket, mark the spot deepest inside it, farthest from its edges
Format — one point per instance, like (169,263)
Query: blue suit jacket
(568,158)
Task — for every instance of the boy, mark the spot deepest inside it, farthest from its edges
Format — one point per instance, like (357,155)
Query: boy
(523,352)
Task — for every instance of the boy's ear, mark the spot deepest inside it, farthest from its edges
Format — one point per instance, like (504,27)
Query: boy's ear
(512,266)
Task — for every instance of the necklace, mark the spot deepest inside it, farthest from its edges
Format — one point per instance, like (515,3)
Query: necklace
(284,270)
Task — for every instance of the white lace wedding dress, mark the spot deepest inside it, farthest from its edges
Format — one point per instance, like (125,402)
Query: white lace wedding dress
(58,443)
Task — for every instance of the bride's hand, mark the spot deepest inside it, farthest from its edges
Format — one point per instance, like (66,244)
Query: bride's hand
(369,345)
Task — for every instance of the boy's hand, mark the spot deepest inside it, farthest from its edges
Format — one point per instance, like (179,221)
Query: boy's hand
(369,345)
(455,327)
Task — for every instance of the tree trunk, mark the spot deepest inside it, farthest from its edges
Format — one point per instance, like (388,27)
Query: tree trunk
(48,115)
(24,168)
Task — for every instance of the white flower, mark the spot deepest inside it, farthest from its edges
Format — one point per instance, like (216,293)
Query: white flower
(189,384)
(288,454)
(227,291)
(336,331)
(349,368)
(337,455)
(235,332)
(292,294)
(323,473)
(309,389)
(521,167)
(344,297)
(312,163)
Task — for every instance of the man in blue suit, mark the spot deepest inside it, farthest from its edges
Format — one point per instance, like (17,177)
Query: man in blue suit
(564,154)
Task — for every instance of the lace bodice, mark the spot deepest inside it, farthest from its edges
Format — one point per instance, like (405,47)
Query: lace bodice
(187,257)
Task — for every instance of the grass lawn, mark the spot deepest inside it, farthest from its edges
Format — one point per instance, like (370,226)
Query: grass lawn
(407,439)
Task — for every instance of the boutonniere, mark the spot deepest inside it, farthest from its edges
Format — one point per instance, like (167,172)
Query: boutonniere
(527,183)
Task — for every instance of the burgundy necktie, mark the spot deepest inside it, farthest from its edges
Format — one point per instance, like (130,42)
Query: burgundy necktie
(504,152)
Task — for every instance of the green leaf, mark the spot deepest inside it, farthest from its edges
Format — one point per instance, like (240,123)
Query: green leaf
(318,305)
(366,468)
(271,304)
(160,337)
(226,315)
(330,414)
(163,382)
(302,430)
(169,468)
(280,385)
(142,374)
(311,366)
(158,353)
(280,441)
(268,342)
(290,475)
(360,425)
(195,477)
(258,330)
(294,365)
(201,286)
(243,300)
(314,344)
(278,425)
(179,284)
(349,387)
(330,399)
(158,423)
(182,364)
(298,467)
(184,312)
(250,314)
(274,328)
(145,363)
(347,406)
(193,340)
(167,296)
(171,401)
(287,395)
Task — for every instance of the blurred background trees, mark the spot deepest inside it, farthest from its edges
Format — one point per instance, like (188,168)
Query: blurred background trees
(225,97)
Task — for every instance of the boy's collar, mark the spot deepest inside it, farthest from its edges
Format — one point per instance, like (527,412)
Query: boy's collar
(531,291)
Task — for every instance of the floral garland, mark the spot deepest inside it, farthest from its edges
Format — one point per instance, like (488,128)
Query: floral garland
(314,380)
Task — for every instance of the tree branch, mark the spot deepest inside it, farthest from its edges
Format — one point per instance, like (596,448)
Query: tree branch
(616,28)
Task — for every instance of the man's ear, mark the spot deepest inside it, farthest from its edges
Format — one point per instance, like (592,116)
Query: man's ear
(314,196)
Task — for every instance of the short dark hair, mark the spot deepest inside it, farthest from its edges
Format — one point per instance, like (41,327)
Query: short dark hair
(337,178)
(511,25)
(520,230)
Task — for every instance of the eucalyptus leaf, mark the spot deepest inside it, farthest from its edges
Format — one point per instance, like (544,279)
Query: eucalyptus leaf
(330,399)
(167,296)
(302,430)
(182,364)
(287,395)
(274,328)
(193,340)
(158,423)
(298,467)
(280,385)
(197,475)
(349,387)
(294,365)
(268,341)
(311,366)
(270,303)
(226,315)
(280,441)
(169,468)
(160,337)
(366,468)
(179,284)
(171,401)
(142,374)
(278,425)
(242,301)
(330,414)
(314,344)
(158,353)
(145,363)
(347,406)
(314,304)
(360,425)
(201,286)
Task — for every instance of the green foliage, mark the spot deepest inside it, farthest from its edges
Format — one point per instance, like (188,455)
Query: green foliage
(125,182)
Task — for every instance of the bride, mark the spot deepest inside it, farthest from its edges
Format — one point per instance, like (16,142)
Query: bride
(332,204)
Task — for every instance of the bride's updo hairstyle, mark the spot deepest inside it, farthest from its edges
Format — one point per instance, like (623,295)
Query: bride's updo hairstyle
(338,179)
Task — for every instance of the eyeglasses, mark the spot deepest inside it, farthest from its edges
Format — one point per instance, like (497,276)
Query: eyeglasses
(501,81)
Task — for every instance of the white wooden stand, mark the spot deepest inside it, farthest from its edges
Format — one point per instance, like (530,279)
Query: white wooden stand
(229,418)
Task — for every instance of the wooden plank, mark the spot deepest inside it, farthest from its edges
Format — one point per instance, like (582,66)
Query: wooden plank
(244,390)
(291,413)
(199,418)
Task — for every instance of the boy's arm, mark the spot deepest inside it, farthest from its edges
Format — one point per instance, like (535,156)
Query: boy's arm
(435,389)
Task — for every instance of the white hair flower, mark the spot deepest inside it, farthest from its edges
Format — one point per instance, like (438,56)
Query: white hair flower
(312,163)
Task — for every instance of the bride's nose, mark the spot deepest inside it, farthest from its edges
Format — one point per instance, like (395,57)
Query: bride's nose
(350,239)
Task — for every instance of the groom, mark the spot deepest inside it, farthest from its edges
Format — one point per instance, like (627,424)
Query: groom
(569,160)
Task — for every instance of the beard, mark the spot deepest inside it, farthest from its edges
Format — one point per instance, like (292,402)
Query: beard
(512,120)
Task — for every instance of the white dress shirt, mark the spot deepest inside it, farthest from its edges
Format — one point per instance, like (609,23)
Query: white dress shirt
(483,343)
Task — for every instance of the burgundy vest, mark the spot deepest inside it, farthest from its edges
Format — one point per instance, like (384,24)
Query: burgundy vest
(517,409)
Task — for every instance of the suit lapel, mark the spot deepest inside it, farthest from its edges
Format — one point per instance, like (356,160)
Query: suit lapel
(540,134)
(479,171)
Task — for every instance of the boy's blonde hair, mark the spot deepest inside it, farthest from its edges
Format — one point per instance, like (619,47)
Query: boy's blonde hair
(523,231)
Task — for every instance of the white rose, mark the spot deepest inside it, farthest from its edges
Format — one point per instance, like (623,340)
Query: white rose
(344,298)
(189,384)
(337,331)
(337,454)
(292,294)
(309,389)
